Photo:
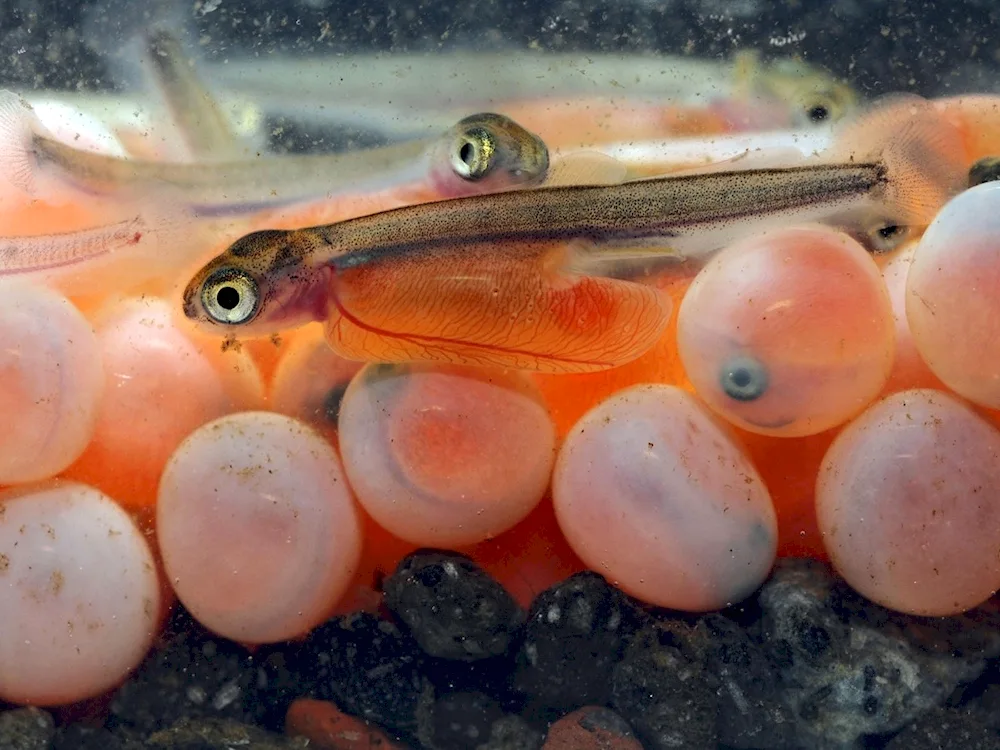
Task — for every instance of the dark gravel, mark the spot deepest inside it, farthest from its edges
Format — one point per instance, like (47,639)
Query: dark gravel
(452,609)
(805,663)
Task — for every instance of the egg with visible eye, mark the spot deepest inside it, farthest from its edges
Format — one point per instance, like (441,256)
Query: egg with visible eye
(788,333)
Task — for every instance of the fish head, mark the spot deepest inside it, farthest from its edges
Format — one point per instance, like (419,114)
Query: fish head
(262,284)
(487,153)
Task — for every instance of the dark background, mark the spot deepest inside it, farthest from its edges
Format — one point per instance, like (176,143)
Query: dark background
(879,45)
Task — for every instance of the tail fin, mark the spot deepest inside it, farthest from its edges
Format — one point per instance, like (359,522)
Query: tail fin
(174,75)
(18,167)
(921,149)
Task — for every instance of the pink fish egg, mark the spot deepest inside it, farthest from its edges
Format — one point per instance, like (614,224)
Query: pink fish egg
(257,527)
(51,382)
(163,380)
(953,295)
(653,493)
(788,333)
(310,380)
(906,501)
(446,455)
(908,368)
(79,593)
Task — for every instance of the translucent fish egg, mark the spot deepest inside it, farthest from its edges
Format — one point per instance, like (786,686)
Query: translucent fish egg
(79,593)
(789,333)
(51,382)
(311,379)
(257,527)
(953,295)
(907,502)
(908,368)
(445,455)
(653,493)
(163,381)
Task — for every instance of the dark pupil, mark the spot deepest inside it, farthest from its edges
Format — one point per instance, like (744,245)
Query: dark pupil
(467,153)
(887,233)
(818,113)
(741,377)
(744,379)
(228,298)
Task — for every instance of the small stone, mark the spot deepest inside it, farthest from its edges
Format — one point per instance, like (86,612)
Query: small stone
(458,721)
(664,689)
(26,729)
(753,714)
(220,734)
(84,737)
(195,674)
(511,732)
(944,729)
(466,721)
(575,634)
(591,728)
(369,669)
(326,727)
(848,667)
(451,607)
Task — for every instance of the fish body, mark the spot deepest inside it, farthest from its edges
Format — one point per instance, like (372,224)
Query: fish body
(481,153)
(511,279)
(542,279)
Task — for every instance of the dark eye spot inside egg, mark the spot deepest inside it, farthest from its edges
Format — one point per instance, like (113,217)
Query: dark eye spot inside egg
(228,297)
(744,378)
(887,233)
(331,403)
(986,169)
(818,113)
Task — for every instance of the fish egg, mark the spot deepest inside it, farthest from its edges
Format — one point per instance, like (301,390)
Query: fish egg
(163,380)
(51,382)
(257,527)
(788,333)
(80,594)
(311,379)
(908,368)
(953,295)
(907,502)
(652,492)
(443,455)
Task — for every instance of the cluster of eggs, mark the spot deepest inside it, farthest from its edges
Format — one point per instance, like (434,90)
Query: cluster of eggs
(806,397)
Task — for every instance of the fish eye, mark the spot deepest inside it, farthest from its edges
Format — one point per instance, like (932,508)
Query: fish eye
(472,157)
(821,107)
(887,237)
(744,378)
(230,296)
(818,113)
(986,169)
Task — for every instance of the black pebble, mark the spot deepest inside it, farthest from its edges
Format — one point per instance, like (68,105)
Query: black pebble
(368,668)
(850,668)
(451,607)
(474,721)
(575,634)
(664,688)
(196,674)
(752,711)
(944,729)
